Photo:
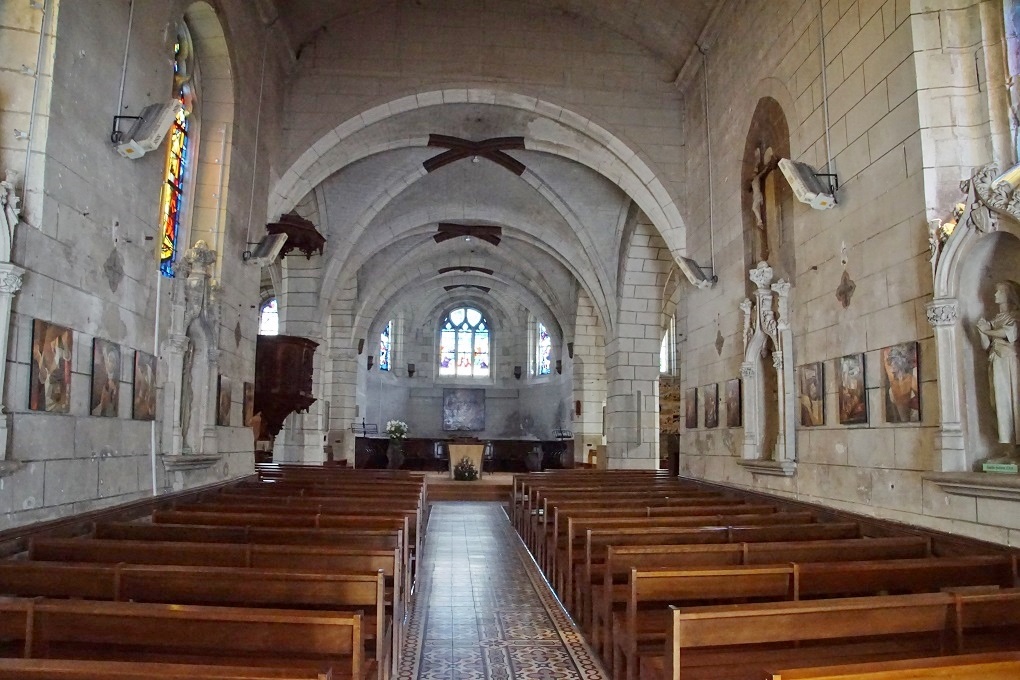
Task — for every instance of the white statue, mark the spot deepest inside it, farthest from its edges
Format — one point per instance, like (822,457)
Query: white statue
(999,337)
(9,214)
(762,167)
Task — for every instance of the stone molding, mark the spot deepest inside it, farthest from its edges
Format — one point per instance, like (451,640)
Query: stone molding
(773,468)
(977,484)
(942,312)
(190,461)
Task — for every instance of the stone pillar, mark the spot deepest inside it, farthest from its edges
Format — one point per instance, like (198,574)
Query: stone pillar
(632,412)
(943,315)
(589,368)
(10,283)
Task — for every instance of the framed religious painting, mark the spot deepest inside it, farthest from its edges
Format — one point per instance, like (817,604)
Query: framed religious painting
(711,393)
(734,408)
(50,371)
(900,386)
(811,394)
(223,402)
(691,408)
(853,397)
(144,402)
(248,404)
(105,393)
(463,410)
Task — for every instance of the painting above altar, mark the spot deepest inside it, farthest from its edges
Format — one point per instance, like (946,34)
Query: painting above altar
(463,410)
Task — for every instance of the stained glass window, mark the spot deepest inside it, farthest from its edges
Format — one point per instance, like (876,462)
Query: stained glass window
(543,350)
(269,318)
(464,344)
(384,347)
(177,158)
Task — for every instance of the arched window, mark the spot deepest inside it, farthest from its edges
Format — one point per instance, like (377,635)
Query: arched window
(667,350)
(269,318)
(385,339)
(464,344)
(543,350)
(178,159)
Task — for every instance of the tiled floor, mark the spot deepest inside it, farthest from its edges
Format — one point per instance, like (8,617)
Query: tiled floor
(483,610)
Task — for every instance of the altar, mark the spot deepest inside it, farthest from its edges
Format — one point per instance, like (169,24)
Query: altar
(473,452)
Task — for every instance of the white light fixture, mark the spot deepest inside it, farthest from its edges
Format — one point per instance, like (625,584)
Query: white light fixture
(807,185)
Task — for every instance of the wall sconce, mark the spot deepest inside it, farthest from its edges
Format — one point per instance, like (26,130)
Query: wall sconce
(559,366)
(371,361)
(570,350)
(517,372)
(410,370)
(577,407)
(361,345)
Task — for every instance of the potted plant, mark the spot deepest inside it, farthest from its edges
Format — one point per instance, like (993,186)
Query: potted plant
(396,430)
(465,470)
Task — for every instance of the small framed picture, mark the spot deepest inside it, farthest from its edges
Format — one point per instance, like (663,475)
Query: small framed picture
(900,386)
(734,407)
(711,405)
(853,398)
(691,408)
(811,389)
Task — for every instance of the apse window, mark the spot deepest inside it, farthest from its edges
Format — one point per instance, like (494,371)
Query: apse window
(464,344)
(543,350)
(385,338)
(269,318)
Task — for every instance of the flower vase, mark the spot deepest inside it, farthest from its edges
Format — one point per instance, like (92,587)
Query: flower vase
(395,454)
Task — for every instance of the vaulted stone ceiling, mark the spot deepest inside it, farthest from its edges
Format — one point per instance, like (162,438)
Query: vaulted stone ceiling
(563,220)
(667,28)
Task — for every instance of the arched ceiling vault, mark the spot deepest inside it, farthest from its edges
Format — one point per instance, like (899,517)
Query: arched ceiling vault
(666,28)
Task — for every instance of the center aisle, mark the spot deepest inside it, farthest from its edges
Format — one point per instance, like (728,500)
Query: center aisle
(483,610)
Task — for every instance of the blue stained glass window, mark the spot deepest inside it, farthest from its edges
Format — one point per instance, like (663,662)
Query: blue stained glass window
(464,344)
(543,350)
(171,209)
(384,347)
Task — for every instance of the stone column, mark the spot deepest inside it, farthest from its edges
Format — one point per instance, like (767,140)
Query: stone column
(943,315)
(10,283)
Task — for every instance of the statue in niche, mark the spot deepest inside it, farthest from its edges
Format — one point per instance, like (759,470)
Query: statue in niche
(999,337)
(764,163)
(10,213)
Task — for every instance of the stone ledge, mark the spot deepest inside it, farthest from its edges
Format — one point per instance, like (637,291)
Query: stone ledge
(785,468)
(185,462)
(977,484)
(9,467)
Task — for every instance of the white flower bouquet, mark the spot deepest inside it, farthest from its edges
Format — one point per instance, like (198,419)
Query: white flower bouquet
(396,429)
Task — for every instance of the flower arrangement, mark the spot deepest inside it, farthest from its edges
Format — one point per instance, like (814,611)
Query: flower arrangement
(465,470)
(396,430)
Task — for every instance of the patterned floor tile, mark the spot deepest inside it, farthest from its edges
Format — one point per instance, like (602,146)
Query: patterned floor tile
(482,609)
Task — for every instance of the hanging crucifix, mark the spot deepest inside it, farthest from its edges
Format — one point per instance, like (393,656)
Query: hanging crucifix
(764,163)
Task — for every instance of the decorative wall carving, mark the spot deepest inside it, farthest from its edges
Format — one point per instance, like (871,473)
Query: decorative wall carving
(991,204)
(767,331)
(191,359)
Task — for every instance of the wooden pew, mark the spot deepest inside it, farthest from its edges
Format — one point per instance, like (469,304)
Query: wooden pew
(329,642)
(742,641)
(614,573)
(572,553)
(991,666)
(223,586)
(75,669)
(644,617)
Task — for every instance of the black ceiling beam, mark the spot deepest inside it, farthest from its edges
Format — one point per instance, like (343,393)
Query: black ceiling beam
(490,149)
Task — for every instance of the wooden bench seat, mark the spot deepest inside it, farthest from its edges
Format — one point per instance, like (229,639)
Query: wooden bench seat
(329,642)
(991,666)
(222,586)
(743,641)
(639,613)
(609,578)
(75,669)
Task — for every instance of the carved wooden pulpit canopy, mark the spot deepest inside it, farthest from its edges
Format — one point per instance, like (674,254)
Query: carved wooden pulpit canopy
(283,377)
(301,235)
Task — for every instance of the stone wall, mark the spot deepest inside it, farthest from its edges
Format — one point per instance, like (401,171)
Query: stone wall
(878,56)
(87,243)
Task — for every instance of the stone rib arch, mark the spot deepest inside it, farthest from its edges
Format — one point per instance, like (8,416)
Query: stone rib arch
(649,192)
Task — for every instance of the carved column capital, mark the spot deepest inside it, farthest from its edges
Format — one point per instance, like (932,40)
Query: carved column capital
(10,278)
(746,371)
(942,312)
(176,343)
(761,275)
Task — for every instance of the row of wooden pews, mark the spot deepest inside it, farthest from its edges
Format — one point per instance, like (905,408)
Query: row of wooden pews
(298,572)
(671,578)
